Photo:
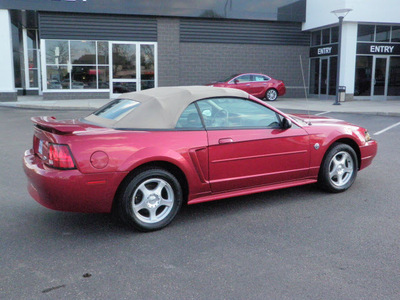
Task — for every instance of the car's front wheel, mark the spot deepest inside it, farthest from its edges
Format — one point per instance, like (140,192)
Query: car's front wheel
(150,200)
(271,95)
(339,168)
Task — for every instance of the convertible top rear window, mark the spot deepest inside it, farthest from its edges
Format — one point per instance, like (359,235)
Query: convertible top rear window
(117,109)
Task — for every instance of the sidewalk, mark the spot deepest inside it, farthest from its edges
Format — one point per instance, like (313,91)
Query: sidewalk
(389,108)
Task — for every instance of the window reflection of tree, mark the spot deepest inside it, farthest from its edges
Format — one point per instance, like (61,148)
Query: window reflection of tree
(83,52)
(124,61)
(147,66)
(51,52)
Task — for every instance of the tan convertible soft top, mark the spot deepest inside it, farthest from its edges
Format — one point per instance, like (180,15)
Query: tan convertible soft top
(160,108)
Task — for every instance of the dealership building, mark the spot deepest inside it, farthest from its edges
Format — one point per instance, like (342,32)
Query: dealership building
(76,49)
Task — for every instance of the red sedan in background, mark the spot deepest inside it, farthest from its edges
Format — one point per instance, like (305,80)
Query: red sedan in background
(257,85)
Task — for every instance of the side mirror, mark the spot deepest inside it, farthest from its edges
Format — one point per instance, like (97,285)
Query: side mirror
(236,81)
(286,123)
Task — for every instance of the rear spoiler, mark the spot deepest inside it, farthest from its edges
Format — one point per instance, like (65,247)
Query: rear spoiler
(56,126)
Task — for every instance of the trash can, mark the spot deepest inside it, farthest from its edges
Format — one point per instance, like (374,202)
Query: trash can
(342,93)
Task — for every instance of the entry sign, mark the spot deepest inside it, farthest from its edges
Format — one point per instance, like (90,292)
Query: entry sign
(326,50)
(378,49)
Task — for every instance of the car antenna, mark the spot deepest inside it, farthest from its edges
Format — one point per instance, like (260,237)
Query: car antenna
(305,90)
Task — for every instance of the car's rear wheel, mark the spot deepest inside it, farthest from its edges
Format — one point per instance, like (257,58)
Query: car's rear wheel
(339,168)
(271,95)
(150,200)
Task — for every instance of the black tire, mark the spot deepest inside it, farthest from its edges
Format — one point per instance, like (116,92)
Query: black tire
(338,169)
(271,95)
(150,200)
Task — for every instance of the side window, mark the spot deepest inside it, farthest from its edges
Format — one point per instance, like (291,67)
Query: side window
(244,78)
(189,119)
(236,113)
(260,78)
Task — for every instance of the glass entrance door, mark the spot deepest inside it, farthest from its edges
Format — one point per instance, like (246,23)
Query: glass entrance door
(133,67)
(124,67)
(379,82)
(324,77)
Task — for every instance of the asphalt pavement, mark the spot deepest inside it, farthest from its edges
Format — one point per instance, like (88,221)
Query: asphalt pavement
(383,108)
(296,243)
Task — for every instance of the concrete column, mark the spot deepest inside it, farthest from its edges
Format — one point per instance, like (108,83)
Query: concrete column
(7,86)
(348,58)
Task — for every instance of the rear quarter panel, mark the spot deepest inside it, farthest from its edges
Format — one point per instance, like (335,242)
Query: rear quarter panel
(128,150)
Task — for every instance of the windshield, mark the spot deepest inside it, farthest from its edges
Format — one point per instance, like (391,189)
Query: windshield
(228,78)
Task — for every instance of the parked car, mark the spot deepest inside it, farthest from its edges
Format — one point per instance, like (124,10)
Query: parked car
(258,85)
(146,153)
(54,85)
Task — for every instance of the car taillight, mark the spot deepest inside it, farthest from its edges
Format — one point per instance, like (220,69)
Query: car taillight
(59,156)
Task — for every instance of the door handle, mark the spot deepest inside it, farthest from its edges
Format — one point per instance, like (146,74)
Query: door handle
(248,84)
(225,141)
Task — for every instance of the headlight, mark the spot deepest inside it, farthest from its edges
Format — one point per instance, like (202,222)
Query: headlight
(367,136)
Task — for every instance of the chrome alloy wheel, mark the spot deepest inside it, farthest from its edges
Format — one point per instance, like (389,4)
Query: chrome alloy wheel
(271,95)
(152,201)
(341,168)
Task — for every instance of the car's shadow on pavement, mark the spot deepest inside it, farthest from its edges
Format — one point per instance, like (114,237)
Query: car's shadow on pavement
(64,224)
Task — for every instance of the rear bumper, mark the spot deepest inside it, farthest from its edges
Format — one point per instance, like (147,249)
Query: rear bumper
(368,152)
(70,190)
(281,90)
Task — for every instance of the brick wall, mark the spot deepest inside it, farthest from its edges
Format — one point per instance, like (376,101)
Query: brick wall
(201,63)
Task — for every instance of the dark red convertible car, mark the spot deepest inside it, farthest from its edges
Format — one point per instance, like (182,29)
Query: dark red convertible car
(146,153)
(258,85)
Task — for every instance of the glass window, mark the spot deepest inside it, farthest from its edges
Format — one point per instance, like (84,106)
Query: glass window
(365,33)
(147,66)
(316,38)
(260,78)
(124,61)
(362,85)
(314,76)
(57,52)
(228,113)
(120,87)
(395,33)
(382,33)
(104,77)
(102,53)
(190,118)
(32,59)
(332,75)
(334,34)
(117,109)
(84,77)
(394,77)
(57,77)
(31,39)
(325,36)
(33,78)
(244,78)
(16,42)
(83,52)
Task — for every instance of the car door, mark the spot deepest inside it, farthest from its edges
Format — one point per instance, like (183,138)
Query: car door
(247,147)
(259,85)
(242,82)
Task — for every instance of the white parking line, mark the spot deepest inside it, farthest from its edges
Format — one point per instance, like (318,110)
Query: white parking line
(323,113)
(387,128)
